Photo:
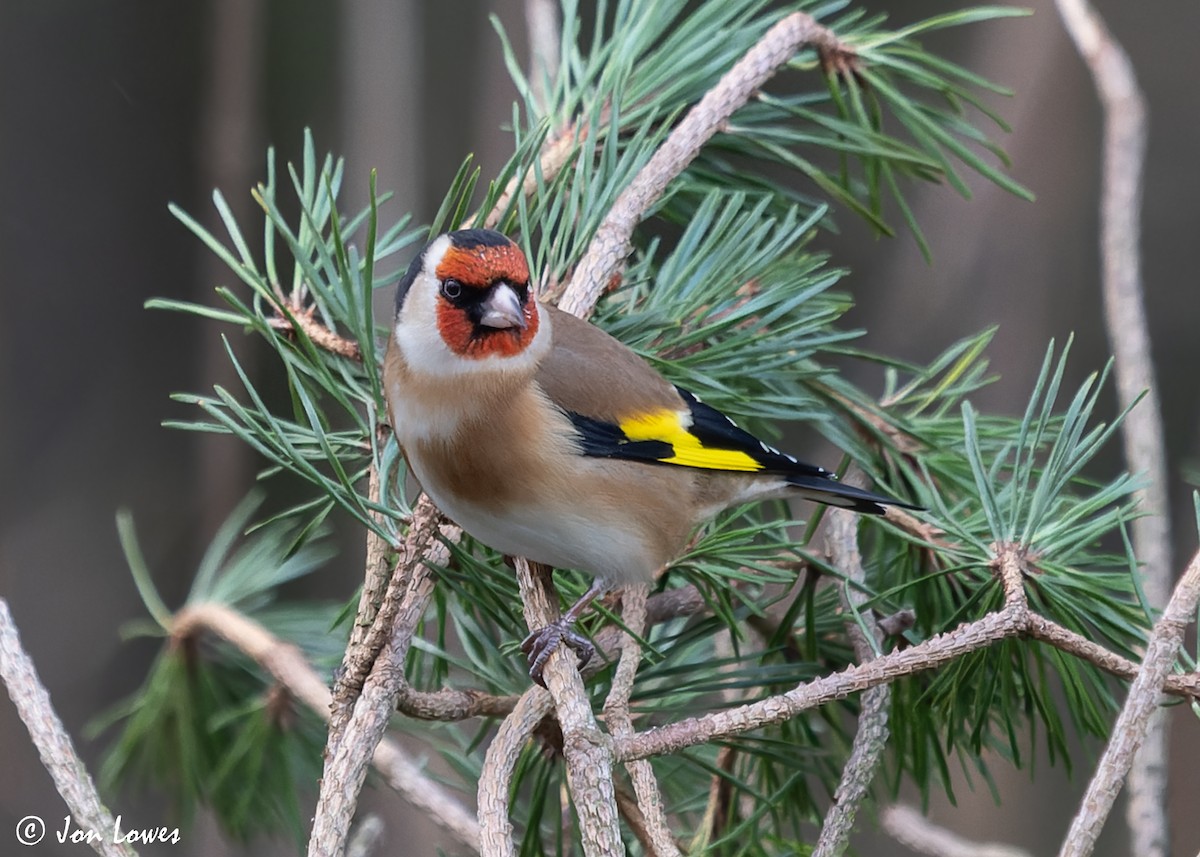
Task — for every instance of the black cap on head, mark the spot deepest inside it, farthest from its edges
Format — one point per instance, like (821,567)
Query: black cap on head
(468,238)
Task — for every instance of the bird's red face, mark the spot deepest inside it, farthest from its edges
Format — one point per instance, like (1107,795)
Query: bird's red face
(484,307)
(465,309)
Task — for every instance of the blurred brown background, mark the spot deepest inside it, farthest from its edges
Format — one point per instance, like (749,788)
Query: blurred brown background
(113,108)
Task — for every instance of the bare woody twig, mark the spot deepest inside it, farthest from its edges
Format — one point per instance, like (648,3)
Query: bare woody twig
(927,655)
(617,717)
(556,154)
(1128,332)
(346,760)
(1128,731)
(910,828)
(293,314)
(1013,619)
(288,666)
(377,606)
(933,653)
(841,539)
(587,753)
(612,241)
(54,746)
(545,36)
(495,836)
(451,704)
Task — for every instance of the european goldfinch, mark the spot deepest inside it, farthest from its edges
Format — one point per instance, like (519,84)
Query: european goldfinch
(544,437)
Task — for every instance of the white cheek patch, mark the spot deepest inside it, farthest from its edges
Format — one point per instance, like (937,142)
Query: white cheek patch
(426,353)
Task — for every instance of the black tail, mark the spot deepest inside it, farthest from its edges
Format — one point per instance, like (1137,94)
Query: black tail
(834,493)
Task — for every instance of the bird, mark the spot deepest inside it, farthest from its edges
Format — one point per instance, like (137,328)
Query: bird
(542,436)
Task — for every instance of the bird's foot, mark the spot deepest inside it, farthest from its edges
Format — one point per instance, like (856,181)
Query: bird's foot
(540,644)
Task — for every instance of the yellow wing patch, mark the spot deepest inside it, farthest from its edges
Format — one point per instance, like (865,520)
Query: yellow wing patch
(673,428)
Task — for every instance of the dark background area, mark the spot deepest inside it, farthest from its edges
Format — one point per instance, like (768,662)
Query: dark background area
(112,109)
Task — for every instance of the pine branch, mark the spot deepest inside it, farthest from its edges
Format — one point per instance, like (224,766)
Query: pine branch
(588,756)
(288,666)
(495,780)
(613,239)
(291,316)
(870,740)
(909,827)
(1142,701)
(1128,332)
(55,748)
(348,754)
(1011,566)
(660,841)
(742,311)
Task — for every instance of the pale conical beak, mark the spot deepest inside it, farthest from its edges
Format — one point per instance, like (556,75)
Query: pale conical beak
(503,309)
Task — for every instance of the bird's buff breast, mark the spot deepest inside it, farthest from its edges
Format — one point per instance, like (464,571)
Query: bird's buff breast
(582,519)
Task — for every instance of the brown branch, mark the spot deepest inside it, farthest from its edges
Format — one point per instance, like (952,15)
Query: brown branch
(619,722)
(930,654)
(288,666)
(1128,332)
(346,760)
(589,759)
(495,780)
(54,746)
(1140,704)
(1014,619)
(453,705)
(943,648)
(377,606)
(1186,685)
(587,752)
(304,318)
(635,820)
(450,704)
(557,152)
(720,796)
(912,829)
(900,440)
(612,242)
(870,740)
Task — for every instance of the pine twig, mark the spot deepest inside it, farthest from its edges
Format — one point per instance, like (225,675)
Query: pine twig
(912,829)
(1128,332)
(556,153)
(1013,619)
(1130,728)
(1186,685)
(54,746)
(545,36)
(450,704)
(288,666)
(377,606)
(930,654)
(346,760)
(612,242)
(292,314)
(495,781)
(866,754)
(587,752)
(619,722)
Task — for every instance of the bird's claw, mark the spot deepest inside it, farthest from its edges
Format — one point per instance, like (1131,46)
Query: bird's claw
(540,644)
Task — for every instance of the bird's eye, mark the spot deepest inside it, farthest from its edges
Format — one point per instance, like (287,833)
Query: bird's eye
(452,290)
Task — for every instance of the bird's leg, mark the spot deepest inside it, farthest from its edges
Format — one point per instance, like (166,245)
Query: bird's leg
(540,644)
